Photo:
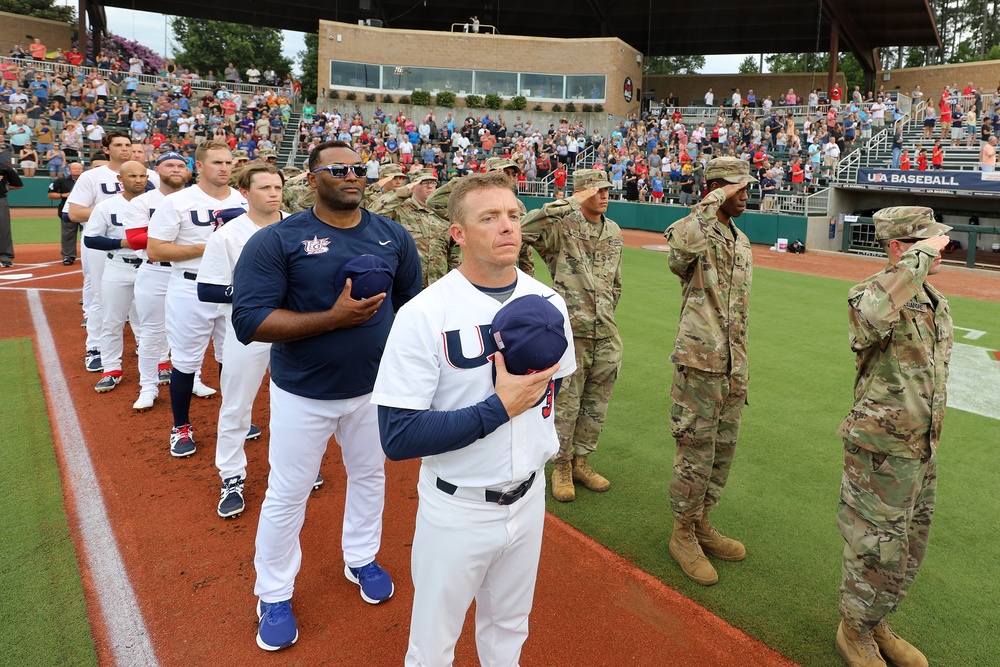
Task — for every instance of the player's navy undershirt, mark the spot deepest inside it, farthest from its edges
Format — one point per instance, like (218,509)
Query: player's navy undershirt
(411,434)
(290,265)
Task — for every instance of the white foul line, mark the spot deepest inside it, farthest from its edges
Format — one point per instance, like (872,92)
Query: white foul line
(127,632)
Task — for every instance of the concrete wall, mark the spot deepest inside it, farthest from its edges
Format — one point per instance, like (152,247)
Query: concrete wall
(14,28)
(932,80)
(692,87)
(385,46)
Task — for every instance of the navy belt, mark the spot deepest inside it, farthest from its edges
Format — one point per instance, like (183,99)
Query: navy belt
(489,495)
(134,261)
(158,263)
(190,276)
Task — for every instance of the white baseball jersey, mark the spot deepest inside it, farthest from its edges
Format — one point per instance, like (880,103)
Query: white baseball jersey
(223,251)
(107,219)
(140,210)
(437,357)
(98,184)
(189,217)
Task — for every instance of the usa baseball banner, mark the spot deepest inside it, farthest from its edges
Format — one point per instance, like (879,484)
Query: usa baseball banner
(969,181)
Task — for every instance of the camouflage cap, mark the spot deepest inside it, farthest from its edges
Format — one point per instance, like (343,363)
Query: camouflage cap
(291,172)
(417,175)
(907,222)
(498,163)
(590,178)
(267,153)
(391,170)
(731,169)
(240,155)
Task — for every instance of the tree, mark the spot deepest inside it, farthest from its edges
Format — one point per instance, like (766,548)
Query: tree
(211,45)
(749,65)
(673,64)
(309,60)
(818,63)
(41,9)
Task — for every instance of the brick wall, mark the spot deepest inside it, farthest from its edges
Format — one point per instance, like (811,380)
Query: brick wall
(384,46)
(985,76)
(14,28)
(692,87)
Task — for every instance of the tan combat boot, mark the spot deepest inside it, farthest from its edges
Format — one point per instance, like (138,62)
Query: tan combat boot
(858,650)
(684,549)
(562,482)
(896,649)
(583,473)
(717,544)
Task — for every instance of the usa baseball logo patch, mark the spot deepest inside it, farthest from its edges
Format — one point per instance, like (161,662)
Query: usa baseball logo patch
(316,246)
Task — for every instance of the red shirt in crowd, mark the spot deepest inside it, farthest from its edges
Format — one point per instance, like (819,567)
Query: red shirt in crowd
(922,162)
(904,162)
(835,93)
(559,176)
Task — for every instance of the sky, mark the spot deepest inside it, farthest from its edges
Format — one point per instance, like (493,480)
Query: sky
(152,30)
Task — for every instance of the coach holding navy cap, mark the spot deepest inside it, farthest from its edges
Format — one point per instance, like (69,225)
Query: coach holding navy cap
(323,367)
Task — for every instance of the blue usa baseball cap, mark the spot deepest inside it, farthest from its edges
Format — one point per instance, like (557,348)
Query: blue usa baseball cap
(370,276)
(529,331)
(169,155)
(223,215)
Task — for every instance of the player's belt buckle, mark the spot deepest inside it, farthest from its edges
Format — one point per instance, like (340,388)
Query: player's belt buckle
(190,276)
(512,496)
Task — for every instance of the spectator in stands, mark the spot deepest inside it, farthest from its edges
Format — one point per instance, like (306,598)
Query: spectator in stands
(709,98)
(930,119)
(897,145)
(28,160)
(988,155)
(957,126)
(937,156)
(55,161)
(904,160)
(37,49)
(656,187)
(945,120)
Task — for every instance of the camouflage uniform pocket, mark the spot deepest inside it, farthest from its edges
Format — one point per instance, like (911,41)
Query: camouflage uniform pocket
(696,403)
(874,505)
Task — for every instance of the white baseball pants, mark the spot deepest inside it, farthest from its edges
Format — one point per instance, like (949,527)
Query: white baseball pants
(92,263)
(465,550)
(150,305)
(301,428)
(191,324)
(243,368)
(117,285)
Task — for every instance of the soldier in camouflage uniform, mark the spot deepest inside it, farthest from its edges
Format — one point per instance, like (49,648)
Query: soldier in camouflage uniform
(240,160)
(901,332)
(392,177)
(583,250)
(407,206)
(713,260)
(297,195)
(268,155)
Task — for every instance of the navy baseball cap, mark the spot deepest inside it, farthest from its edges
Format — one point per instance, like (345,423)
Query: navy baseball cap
(529,331)
(223,215)
(170,155)
(370,276)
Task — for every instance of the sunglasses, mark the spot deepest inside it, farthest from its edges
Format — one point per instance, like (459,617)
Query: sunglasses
(340,170)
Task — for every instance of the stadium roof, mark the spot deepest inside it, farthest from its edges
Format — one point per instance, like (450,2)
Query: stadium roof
(663,28)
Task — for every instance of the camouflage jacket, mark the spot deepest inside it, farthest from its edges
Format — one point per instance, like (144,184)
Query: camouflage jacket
(715,266)
(901,332)
(372,194)
(429,231)
(297,196)
(585,261)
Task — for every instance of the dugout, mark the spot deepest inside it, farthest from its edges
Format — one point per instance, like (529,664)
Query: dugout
(974,217)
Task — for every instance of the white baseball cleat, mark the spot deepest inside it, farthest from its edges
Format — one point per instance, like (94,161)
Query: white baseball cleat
(201,391)
(144,402)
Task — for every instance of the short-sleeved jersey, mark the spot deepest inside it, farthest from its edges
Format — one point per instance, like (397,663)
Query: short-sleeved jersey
(98,184)
(222,251)
(291,265)
(140,210)
(189,217)
(438,357)
(107,219)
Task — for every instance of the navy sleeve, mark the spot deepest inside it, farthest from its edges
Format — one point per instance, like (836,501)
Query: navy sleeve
(411,434)
(259,283)
(102,243)
(408,280)
(215,293)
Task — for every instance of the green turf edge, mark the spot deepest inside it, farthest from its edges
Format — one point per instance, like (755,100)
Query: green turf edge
(36,230)
(44,617)
(782,493)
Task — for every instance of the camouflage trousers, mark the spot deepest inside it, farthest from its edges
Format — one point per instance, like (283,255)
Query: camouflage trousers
(705,422)
(583,398)
(885,511)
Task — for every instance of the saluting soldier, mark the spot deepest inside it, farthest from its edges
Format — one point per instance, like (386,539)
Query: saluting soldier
(391,177)
(582,249)
(713,260)
(901,332)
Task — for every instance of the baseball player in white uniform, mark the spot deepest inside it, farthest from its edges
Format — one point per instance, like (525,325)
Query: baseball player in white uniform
(93,186)
(484,443)
(291,288)
(151,280)
(243,366)
(178,232)
(105,231)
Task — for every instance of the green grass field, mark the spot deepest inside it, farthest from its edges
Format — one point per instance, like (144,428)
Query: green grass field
(36,230)
(43,617)
(782,494)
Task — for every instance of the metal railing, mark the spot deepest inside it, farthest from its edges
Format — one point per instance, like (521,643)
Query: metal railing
(481,28)
(818,203)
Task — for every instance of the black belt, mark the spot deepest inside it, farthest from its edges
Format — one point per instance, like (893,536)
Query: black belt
(190,276)
(134,261)
(158,263)
(490,496)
